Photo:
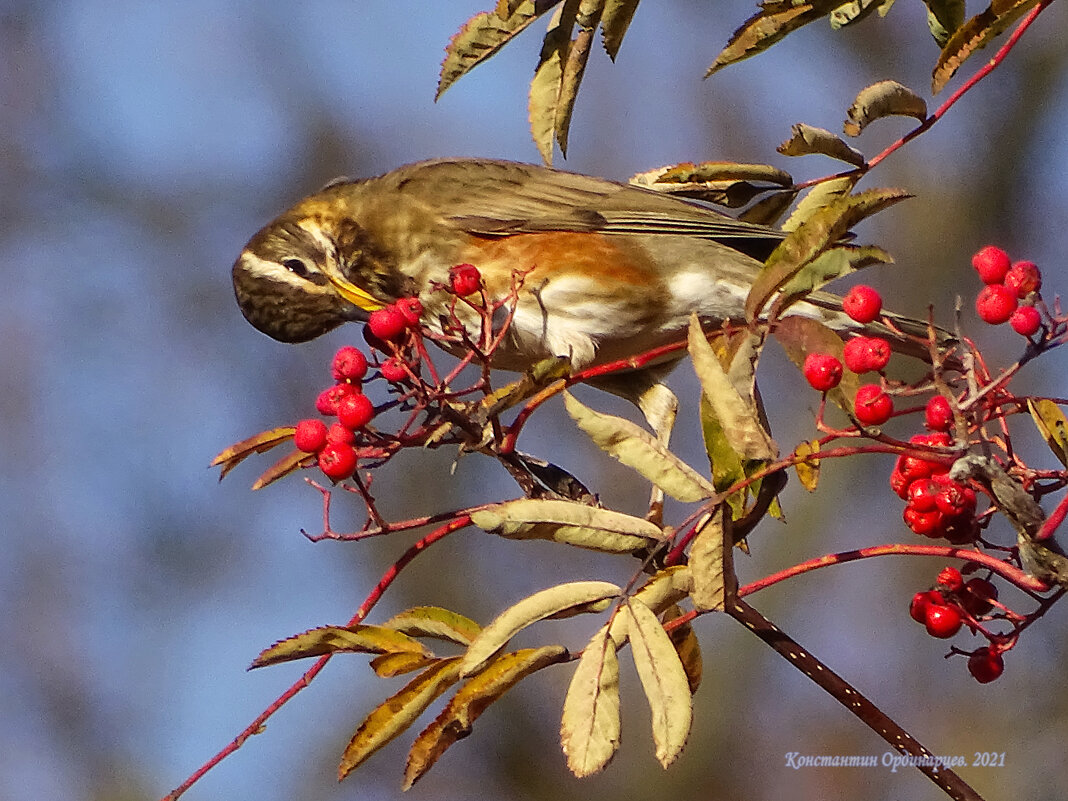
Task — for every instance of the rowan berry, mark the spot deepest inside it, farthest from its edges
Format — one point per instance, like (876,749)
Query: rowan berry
(864,354)
(310,435)
(992,263)
(465,279)
(330,397)
(943,621)
(411,310)
(862,303)
(1023,278)
(872,405)
(985,665)
(355,411)
(349,364)
(337,460)
(938,415)
(1026,321)
(393,370)
(387,323)
(920,602)
(822,371)
(995,304)
(951,579)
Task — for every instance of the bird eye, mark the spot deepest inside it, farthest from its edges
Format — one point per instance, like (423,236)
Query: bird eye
(297,267)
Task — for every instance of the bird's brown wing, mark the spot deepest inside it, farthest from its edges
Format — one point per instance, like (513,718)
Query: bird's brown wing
(498,198)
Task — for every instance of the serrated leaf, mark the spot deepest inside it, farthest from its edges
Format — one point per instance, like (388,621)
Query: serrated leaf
(833,264)
(883,99)
(636,448)
(944,17)
(1052,425)
(433,621)
(822,230)
(663,678)
(334,639)
(808,471)
(589,16)
(772,23)
(819,196)
(543,100)
(614,23)
(258,443)
(712,565)
(575,595)
(973,35)
(807,140)
(394,715)
(737,415)
(483,35)
(800,336)
(589,725)
(687,646)
(722,182)
(568,522)
(399,662)
(471,700)
(666,588)
(769,210)
(726,464)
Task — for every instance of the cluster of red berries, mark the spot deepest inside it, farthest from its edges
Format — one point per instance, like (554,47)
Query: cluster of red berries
(954,603)
(935,505)
(337,446)
(872,405)
(1007,284)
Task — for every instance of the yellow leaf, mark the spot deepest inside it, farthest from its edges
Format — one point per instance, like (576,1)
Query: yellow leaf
(883,99)
(666,588)
(334,639)
(397,713)
(687,647)
(546,603)
(712,566)
(589,726)
(398,663)
(663,678)
(974,34)
(471,700)
(636,448)
(806,140)
(239,451)
(568,522)
(808,471)
(1052,425)
(433,621)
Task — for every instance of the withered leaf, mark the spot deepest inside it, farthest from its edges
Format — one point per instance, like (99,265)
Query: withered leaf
(883,99)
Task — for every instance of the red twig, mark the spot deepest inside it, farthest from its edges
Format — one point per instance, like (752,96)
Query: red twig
(305,679)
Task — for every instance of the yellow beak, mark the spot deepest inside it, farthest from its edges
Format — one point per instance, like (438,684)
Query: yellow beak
(353,294)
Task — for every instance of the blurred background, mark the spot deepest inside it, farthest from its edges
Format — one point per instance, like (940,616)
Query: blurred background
(142,144)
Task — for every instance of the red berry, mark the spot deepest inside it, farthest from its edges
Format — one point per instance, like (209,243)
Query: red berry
(310,435)
(951,579)
(992,263)
(349,364)
(330,397)
(985,665)
(822,371)
(337,460)
(960,530)
(995,304)
(872,406)
(943,621)
(978,595)
(926,524)
(1024,278)
(938,416)
(465,279)
(922,493)
(935,438)
(955,500)
(387,323)
(920,602)
(393,370)
(863,354)
(355,411)
(899,484)
(411,310)
(862,303)
(338,433)
(1026,321)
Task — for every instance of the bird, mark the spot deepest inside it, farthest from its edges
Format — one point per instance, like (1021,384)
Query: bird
(615,270)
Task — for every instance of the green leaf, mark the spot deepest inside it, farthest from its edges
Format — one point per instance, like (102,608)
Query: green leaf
(944,17)
(663,678)
(433,621)
(636,448)
(471,700)
(883,99)
(568,522)
(614,24)
(589,725)
(394,715)
(771,24)
(575,597)
(335,639)
(726,464)
(828,266)
(737,416)
(806,140)
(819,196)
